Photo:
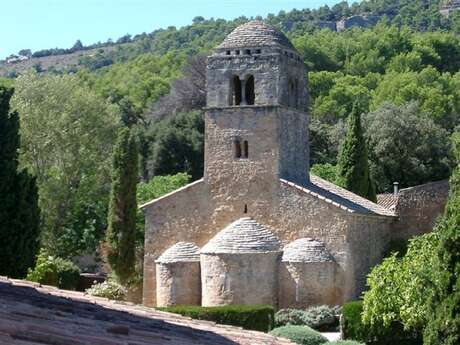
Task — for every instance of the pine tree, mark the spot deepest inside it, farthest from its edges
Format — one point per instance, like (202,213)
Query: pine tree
(19,212)
(353,165)
(123,206)
(443,326)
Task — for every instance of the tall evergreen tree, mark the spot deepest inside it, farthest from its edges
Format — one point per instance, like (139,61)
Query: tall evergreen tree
(443,326)
(353,165)
(121,233)
(19,212)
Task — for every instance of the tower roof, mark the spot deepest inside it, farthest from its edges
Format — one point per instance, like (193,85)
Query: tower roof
(242,236)
(255,34)
(306,250)
(180,252)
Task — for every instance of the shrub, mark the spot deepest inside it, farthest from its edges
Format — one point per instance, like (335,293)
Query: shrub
(344,342)
(302,335)
(294,317)
(254,317)
(394,333)
(322,318)
(109,289)
(54,271)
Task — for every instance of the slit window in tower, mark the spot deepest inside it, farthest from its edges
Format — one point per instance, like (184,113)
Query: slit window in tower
(237,148)
(249,90)
(245,149)
(236,91)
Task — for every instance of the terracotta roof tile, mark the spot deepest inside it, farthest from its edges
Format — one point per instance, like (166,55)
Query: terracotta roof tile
(31,314)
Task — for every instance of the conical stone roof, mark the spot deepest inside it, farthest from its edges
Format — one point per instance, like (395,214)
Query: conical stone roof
(242,236)
(255,34)
(180,252)
(306,250)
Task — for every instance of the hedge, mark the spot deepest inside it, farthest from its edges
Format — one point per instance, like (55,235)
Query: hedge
(302,335)
(253,317)
(354,329)
(344,342)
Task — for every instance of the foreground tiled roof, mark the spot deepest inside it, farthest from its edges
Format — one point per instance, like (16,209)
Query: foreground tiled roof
(180,252)
(306,250)
(40,315)
(255,34)
(340,197)
(243,236)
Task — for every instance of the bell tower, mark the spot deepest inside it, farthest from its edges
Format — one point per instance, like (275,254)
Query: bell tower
(256,122)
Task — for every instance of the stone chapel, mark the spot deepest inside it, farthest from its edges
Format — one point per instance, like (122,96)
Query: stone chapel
(258,228)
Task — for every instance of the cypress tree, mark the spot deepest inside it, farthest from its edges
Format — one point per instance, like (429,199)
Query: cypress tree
(121,230)
(443,326)
(19,212)
(353,165)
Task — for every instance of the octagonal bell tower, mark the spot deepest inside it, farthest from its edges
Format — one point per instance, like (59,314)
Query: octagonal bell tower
(256,115)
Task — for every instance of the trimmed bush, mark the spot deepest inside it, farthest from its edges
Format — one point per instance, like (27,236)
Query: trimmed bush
(344,342)
(254,317)
(322,318)
(109,289)
(293,317)
(353,328)
(55,271)
(302,335)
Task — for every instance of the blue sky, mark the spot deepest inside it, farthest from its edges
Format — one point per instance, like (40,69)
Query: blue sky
(40,24)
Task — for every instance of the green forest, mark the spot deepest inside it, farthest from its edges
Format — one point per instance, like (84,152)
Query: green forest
(404,73)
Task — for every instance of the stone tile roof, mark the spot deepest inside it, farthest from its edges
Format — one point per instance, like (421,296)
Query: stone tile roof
(306,250)
(340,197)
(31,314)
(255,34)
(387,200)
(180,252)
(242,236)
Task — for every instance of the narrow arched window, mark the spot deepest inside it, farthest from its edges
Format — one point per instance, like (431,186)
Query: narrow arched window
(249,90)
(245,149)
(237,148)
(235,98)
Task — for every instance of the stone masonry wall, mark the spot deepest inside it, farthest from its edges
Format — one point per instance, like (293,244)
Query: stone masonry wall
(239,279)
(303,284)
(367,242)
(220,71)
(193,215)
(178,283)
(418,209)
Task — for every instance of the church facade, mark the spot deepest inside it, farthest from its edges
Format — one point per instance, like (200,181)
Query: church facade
(258,228)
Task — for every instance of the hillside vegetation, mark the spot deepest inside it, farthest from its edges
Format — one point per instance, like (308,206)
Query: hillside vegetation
(202,34)
(404,72)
